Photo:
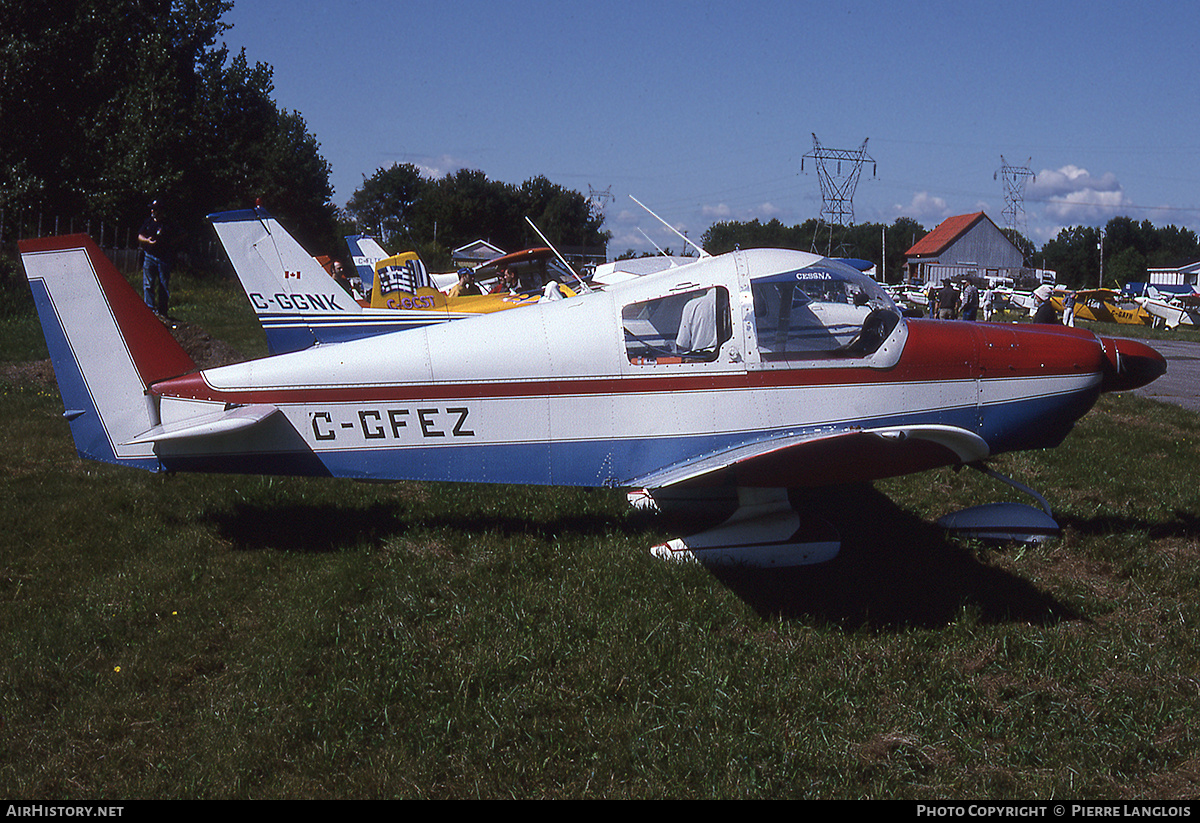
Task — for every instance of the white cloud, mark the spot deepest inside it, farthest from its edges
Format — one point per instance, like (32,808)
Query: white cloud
(1070,179)
(925,208)
(718,212)
(438,167)
(1073,195)
(722,212)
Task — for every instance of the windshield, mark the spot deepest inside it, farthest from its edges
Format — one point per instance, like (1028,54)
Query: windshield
(827,309)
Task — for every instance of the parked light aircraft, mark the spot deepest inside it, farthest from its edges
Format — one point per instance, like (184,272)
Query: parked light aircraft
(403,283)
(745,374)
(1104,306)
(299,304)
(1171,309)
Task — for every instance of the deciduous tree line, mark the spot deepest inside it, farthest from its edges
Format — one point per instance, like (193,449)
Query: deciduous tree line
(1129,247)
(435,216)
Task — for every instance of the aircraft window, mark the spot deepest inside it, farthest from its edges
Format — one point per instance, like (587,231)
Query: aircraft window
(680,328)
(825,310)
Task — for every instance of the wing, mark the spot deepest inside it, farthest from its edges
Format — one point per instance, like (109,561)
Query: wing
(825,459)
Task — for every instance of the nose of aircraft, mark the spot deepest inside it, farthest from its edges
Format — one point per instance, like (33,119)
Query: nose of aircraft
(1130,364)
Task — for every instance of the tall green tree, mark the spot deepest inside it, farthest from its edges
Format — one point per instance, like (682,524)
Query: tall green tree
(564,215)
(384,201)
(436,216)
(1129,248)
(1075,255)
(107,103)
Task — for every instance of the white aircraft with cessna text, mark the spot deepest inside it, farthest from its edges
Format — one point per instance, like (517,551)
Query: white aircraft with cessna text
(743,374)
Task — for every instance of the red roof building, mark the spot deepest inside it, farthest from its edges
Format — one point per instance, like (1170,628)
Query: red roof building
(969,245)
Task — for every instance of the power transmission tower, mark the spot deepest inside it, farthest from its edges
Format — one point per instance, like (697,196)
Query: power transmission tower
(1015,178)
(838,171)
(598,201)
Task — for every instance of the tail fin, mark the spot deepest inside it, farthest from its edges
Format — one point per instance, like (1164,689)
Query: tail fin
(292,295)
(107,347)
(365,253)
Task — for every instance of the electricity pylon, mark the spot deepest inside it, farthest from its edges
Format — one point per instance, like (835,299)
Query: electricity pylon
(1015,178)
(838,171)
(598,201)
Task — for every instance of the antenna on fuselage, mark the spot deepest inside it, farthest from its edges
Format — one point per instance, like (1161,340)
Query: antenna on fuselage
(656,246)
(561,259)
(682,236)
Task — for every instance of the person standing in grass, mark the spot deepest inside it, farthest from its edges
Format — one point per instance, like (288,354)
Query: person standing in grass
(159,240)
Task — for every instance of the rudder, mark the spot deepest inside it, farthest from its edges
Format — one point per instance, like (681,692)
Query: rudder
(106,346)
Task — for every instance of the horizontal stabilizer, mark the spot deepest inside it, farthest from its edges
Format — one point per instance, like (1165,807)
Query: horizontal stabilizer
(226,421)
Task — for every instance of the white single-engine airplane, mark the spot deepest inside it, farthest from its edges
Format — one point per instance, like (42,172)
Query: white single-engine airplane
(748,373)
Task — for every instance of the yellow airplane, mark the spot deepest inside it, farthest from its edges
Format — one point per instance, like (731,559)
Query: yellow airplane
(403,283)
(1104,306)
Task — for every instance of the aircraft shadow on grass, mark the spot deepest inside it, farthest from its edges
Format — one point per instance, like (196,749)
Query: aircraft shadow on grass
(1184,525)
(893,570)
(327,528)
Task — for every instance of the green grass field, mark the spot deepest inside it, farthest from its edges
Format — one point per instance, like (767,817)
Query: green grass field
(245,637)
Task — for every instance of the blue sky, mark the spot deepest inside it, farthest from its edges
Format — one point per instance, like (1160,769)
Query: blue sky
(703,110)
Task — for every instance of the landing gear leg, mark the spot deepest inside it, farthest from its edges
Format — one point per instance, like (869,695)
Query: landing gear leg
(763,531)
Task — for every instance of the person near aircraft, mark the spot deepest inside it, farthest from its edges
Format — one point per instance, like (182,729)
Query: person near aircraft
(698,324)
(1045,309)
(989,303)
(1069,309)
(947,301)
(352,285)
(507,283)
(970,301)
(465,286)
(159,239)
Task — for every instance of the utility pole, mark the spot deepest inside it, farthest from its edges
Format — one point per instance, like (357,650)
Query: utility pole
(838,171)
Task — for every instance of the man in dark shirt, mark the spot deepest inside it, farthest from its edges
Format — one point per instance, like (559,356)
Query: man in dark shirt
(948,304)
(159,240)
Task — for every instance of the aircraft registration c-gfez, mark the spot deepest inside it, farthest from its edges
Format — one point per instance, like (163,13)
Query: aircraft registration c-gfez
(741,375)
